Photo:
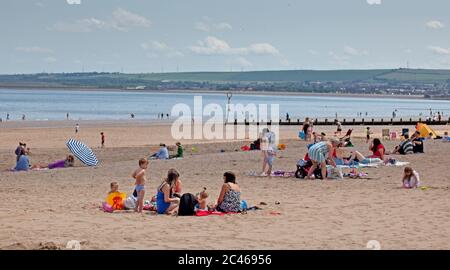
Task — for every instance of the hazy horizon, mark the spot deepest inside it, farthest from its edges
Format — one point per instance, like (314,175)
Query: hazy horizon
(136,36)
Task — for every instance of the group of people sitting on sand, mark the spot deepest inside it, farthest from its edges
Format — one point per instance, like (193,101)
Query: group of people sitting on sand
(22,153)
(163,152)
(329,152)
(169,193)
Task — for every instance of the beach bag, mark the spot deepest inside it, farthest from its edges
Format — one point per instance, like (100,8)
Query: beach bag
(334,172)
(301,135)
(187,205)
(130,202)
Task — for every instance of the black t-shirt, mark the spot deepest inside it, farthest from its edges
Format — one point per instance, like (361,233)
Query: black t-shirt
(418,148)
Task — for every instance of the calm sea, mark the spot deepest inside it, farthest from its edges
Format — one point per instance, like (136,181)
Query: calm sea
(104,105)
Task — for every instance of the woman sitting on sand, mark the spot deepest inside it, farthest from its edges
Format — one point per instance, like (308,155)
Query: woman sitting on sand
(319,153)
(229,200)
(377,148)
(23,162)
(60,164)
(165,202)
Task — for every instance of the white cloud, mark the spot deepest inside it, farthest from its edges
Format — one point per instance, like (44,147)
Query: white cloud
(73,2)
(313,52)
(374,2)
(207,26)
(223,26)
(354,52)
(439,50)
(214,46)
(155,48)
(121,20)
(435,25)
(33,49)
(124,19)
(263,48)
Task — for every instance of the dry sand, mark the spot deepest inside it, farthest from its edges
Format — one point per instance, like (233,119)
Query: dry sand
(46,209)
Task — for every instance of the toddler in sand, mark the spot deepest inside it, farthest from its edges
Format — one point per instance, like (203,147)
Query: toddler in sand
(201,199)
(139,176)
(410,178)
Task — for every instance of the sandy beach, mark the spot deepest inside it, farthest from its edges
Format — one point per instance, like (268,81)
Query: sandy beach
(46,209)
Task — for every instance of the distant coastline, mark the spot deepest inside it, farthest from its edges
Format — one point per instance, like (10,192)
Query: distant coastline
(202,91)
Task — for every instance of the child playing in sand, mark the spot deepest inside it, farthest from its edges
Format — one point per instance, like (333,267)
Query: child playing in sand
(410,178)
(139,176)
(201,199)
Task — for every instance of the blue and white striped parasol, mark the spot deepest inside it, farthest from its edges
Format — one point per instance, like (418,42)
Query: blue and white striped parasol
(82,152)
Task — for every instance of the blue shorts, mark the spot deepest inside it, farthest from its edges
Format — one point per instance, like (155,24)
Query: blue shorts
(139,188)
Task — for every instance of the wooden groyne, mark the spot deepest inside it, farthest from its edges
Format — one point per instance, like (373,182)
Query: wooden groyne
(352,122)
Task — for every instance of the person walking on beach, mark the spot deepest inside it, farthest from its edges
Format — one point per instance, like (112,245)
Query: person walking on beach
(77,128)
(103,139)
(7,116)
(23,117)
(339,128)
(67,116)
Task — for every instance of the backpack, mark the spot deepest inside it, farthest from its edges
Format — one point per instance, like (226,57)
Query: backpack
(187,205)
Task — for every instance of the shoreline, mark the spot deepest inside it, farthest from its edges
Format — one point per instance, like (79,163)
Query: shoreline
(190,91)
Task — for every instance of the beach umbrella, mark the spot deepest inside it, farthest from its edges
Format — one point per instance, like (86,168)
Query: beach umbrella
(82,152)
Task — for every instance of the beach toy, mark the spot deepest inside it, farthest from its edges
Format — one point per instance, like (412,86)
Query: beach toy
(194,150)
(424,188)
(82,152)
(282,146)
(116,200)
(107,208)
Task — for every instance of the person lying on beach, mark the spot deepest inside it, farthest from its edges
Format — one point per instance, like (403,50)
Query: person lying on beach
(162,154)
(445,138)
(356,157)
(201,200)
(410,179)
(229,200)
(166,203)
(405,147)
(320,153)
(60,164)
(139,176)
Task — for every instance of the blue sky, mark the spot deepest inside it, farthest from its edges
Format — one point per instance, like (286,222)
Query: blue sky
(212,35)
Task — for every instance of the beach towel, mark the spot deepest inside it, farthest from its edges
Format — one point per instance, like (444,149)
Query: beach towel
(204,213)
(274,174)
(358,166)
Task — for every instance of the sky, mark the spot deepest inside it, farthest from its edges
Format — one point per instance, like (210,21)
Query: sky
(140,36)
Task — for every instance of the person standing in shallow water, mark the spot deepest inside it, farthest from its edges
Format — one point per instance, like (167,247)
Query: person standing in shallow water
(77,128)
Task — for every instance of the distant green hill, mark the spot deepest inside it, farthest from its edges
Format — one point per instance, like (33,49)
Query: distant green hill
(194,79)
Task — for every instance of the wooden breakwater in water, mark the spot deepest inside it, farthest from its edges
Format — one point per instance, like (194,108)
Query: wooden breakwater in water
(352,122)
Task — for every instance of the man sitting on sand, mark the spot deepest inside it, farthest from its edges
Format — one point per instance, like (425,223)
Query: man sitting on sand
(406,147)
(162,154)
